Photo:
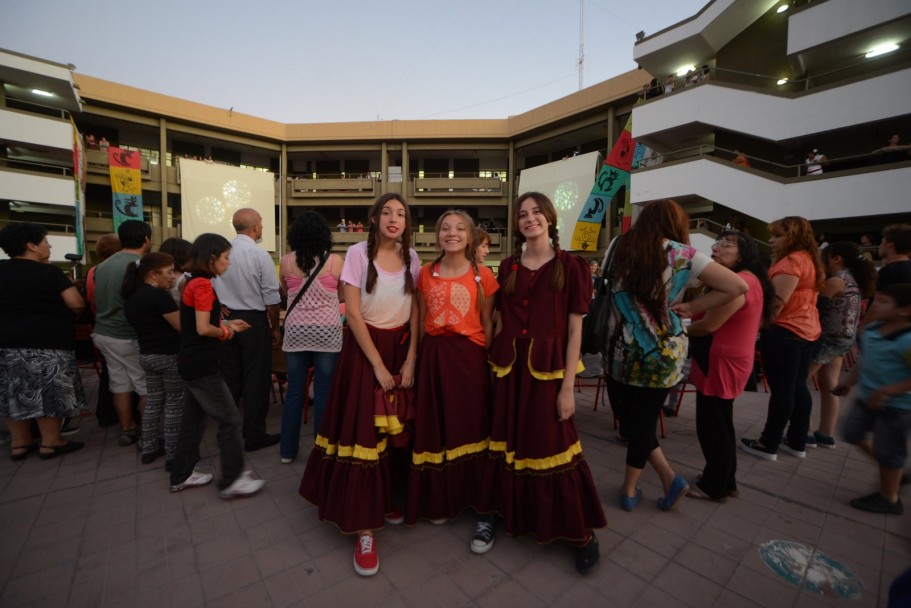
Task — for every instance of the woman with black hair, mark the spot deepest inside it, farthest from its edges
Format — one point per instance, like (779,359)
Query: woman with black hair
(722,346)
(851,278)
(38,375)
(313,326)
(201,333)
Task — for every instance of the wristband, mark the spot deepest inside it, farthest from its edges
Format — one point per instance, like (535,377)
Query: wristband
(227,334)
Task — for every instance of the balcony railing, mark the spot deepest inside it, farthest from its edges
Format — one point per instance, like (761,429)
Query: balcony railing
(456,186)
(332,186)
(97,162)
(421,241)
(830,165)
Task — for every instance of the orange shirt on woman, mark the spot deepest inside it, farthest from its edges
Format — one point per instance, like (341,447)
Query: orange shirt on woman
(799,314)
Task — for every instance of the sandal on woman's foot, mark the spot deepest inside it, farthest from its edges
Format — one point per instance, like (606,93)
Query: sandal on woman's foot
(696,492)
(587,557)
(24,451)
(57,450)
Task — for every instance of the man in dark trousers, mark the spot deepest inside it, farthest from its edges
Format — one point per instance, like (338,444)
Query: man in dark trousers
(249,290)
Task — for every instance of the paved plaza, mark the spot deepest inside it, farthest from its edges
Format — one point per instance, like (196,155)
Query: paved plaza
(97,528)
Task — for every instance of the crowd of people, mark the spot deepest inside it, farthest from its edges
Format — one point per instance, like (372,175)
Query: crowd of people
(444,387)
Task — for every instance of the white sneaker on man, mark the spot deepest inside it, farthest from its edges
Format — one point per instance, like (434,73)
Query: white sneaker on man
(196,479)
(244,485)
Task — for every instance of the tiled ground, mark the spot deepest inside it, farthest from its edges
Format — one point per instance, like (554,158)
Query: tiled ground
(97,528)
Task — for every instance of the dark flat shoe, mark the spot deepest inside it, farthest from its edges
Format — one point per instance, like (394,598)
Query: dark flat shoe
(66,448)
(22,455)
(587,557)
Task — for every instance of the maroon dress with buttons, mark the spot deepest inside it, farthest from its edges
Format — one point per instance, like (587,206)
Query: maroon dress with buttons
(539,479)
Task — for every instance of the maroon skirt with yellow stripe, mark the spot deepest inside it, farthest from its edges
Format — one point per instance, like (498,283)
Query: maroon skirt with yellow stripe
(451,429)
(349,474)
(539,480)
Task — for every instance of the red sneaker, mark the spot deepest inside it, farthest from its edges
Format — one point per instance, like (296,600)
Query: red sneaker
(366,562)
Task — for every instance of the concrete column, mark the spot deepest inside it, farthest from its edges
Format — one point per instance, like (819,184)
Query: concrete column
(282,200)
(163,173)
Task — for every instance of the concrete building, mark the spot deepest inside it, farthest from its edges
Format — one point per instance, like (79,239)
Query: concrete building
(774,80)
(747,76)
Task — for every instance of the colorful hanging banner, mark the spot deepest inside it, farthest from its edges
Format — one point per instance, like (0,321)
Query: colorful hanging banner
(614,174)
(126,184)
(79,166)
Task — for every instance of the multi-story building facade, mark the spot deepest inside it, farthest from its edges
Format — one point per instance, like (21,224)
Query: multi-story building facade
(337,168)
(769,83)
(774,80)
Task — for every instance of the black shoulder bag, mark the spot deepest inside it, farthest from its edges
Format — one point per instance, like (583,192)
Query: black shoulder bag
(312,276)
(594,324)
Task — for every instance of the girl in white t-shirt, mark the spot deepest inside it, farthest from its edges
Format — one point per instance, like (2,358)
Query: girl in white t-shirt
(350,470)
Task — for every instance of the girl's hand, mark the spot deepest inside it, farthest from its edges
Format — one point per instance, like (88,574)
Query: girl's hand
(237,325)
(383,377)
(566,404)
(407,372)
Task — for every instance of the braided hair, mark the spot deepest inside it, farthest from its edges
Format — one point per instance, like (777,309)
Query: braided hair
(376,211)
(550,214)
(470,249)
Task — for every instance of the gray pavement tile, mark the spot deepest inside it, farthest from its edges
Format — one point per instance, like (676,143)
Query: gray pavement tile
(110,534)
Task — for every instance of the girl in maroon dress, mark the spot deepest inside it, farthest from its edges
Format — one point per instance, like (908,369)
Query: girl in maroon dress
(349,475)
(539,479)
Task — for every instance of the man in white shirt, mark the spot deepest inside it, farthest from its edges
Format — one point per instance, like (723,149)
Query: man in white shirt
(249,290)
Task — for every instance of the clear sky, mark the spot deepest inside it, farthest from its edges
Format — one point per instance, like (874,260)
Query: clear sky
(305,61)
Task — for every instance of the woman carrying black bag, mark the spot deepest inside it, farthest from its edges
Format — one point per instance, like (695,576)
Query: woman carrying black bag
(309,277)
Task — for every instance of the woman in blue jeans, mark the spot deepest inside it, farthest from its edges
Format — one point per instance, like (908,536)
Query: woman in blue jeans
(787,346)
(313,327)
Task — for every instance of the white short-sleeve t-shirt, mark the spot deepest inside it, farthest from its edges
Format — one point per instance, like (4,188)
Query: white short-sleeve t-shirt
(388,306)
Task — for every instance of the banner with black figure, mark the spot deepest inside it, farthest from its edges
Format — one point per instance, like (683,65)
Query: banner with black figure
(126,184)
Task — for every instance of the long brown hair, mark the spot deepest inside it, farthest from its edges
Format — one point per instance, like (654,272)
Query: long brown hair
(639,260)
(373,236)
(550,214)
(470,249)
(799,236)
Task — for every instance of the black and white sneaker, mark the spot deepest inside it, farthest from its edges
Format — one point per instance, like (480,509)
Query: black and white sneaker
(483,535)
(785,446)
(756,448)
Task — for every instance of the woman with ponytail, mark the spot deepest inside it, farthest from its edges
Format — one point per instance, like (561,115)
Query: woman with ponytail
(851,278)
(452,417)
(349,474)
(538,476)
(154,315)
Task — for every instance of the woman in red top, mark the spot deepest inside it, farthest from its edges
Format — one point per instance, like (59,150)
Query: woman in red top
(787,345)
(452,416)
(722,345)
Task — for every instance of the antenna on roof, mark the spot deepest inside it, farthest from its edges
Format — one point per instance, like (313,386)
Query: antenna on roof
(580,63)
